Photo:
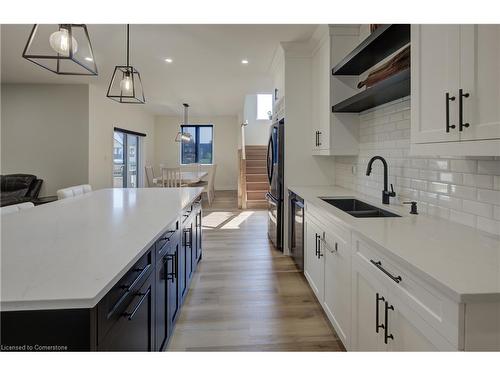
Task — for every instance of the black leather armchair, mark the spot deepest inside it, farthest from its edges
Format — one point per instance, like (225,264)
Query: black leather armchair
(18,188)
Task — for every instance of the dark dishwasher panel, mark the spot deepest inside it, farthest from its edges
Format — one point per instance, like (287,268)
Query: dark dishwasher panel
(296,229)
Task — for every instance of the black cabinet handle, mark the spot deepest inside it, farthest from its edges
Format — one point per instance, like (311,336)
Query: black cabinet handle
(319,139)
(378,264)
(171,275)
(136,308)
(316,143)
(378,298)
(448,99)
(317,243)
(129,289)
(461,96)
(387,336)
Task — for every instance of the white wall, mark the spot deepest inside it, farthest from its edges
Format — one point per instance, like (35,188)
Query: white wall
(45,133)
(257,131)
(105,114)
(226,135)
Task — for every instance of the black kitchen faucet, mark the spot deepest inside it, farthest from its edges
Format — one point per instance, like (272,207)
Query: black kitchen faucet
(385,193)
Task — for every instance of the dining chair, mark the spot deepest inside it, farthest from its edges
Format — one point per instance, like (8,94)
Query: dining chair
(208,186)
(152,180)
(16,207)
(171,177)
(73,191)
(193,167)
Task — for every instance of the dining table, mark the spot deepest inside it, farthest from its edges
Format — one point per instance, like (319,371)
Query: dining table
(187,177)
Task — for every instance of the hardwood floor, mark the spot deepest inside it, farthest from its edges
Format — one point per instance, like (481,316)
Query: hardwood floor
(247,296)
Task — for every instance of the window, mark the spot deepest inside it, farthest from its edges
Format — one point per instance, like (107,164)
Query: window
(126,158)
(200,148)
(264,106)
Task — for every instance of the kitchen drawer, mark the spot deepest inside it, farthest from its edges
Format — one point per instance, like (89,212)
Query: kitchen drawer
(112,305)
(167,239)
(343,234)
(431,305)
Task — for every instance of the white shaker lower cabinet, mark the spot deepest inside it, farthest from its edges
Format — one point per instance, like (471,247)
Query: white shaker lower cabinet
(375,303)
(337,301)
(314,265)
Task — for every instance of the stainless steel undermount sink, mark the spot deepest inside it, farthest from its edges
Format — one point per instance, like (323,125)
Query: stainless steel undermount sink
(358,208)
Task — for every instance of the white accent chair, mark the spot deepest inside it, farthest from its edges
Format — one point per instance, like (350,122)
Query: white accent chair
(16,207)
(73,191)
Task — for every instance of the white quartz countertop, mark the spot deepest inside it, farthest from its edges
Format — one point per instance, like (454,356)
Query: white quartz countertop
(69,253)
(462,262)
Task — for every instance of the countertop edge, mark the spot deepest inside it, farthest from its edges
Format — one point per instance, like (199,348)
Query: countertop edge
(85,303)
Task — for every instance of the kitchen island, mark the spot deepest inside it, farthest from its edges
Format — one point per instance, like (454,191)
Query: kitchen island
(104,271)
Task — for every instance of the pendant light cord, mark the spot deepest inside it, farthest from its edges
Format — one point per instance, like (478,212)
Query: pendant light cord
(128,45)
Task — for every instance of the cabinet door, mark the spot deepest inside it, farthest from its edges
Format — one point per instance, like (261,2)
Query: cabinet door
(161,312)
(338,288)
(435,71)
(321,106)
(367,311)
(134,330)
(173,287)
(480,79)
(314,270)
(406,336)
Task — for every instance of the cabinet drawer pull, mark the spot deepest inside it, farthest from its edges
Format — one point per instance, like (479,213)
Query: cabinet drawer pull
(461,96)
(319,139)
(129,289)
(317,241)
(167,238)
(171,275)
(387,336)
(378,264)
(448,99)
(136,308)
(378,298)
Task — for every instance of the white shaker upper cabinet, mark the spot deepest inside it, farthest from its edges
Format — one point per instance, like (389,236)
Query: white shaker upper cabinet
(480,81)
(435,72)
(455,90)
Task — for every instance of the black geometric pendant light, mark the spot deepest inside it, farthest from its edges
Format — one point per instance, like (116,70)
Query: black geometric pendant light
(126,84)
(63,49)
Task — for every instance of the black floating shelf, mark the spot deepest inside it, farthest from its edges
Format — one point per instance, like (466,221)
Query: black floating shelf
(380,44)
(392,88)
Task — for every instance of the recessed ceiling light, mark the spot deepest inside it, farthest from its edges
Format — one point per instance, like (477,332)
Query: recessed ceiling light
(244,61)
(89,59)
(169,61)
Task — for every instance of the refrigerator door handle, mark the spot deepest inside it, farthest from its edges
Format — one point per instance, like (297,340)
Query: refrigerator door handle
(270,159)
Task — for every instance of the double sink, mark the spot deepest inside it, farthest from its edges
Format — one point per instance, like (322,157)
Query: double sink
(358,208)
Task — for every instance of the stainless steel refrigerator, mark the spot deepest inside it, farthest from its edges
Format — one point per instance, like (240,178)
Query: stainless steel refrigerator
(275,172)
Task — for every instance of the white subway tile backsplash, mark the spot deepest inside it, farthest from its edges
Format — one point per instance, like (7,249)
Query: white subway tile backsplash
(456,178)
(439,164)
(488,225)
(496,212)
(438,187)
(478,180)
(489,167)
(490,196)
(465,190)
(469,166)
(477,208)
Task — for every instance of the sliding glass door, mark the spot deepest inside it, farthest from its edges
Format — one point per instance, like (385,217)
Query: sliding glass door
(125,160)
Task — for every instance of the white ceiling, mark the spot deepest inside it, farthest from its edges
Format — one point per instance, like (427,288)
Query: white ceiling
(206,72)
